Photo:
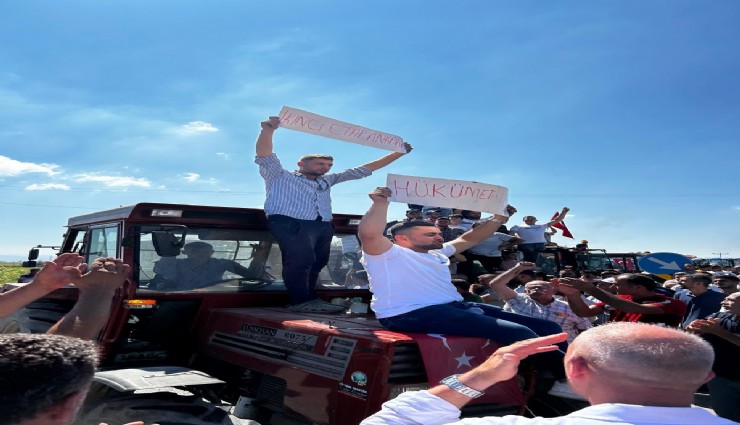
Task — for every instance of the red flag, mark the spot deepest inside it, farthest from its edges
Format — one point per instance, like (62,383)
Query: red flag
(561,225)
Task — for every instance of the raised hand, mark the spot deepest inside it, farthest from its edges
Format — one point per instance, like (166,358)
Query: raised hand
(270,124)
(380,194)
(63,270)
(104,274)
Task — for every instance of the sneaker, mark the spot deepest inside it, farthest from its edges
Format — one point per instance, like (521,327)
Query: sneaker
(563,390)
(317,306)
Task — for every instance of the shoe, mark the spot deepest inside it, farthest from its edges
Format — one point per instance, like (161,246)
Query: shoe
(563,390)
(317,306)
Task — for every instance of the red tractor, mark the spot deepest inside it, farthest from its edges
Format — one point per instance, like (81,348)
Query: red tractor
(226,343)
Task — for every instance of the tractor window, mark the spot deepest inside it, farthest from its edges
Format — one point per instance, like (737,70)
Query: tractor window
(103,243)
(238,260)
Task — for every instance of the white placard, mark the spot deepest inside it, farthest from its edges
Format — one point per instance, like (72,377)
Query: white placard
(446,193)
(307,122)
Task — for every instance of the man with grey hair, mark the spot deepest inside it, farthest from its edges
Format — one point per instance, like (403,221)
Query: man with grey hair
(537,301)
(625,370)
(44,378)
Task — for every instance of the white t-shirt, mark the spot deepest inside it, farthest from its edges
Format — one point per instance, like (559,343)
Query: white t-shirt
(531,234)
(403,280)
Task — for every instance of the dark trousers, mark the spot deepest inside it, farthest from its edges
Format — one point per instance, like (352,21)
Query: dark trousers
(531,251)
(483,321)
(304,245)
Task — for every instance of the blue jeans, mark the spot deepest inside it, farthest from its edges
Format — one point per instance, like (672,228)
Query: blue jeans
(305,246)
(459,318)
(531,251)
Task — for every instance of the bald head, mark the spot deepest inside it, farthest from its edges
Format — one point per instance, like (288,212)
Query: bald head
(644,356)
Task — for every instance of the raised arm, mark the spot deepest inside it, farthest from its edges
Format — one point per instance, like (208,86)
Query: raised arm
(416,407)
(382,162)
(55,274)
(92,309)
(497,283)
(613,300)
(478,234)
(573,295)
(371,229)
(559,218)
(264,140)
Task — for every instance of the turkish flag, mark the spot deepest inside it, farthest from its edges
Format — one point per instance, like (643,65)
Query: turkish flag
(561,225)
(445,355)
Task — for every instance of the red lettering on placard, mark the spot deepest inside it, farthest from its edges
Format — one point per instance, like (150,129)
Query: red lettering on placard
(426,189)
(321,126)
(459,194)
(473,192)
(334,129)
(436,190)
(397,188)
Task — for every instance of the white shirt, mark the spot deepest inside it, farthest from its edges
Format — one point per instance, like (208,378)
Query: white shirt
(534,233)
(403,280)
(490,246)
(557,311)
(420,407)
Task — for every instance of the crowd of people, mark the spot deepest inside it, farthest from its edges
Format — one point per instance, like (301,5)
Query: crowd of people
(636,349)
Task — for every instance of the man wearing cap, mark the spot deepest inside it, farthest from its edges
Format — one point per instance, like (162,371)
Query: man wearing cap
(534,235)
(298,209)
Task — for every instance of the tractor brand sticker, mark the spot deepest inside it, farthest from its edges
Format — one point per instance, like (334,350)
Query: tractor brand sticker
(359,378)
(353,391)
(278,337)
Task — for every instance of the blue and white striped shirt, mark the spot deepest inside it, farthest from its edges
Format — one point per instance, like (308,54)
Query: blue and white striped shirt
(292,194)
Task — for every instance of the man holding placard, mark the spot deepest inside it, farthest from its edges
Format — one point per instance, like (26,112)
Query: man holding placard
(410,282)
(298,209)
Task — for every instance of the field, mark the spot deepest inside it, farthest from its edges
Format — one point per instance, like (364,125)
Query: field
(9,272)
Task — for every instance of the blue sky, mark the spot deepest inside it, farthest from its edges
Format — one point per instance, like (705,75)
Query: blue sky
(625,111)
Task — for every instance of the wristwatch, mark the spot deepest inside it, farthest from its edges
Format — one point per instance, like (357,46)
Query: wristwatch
(454,383)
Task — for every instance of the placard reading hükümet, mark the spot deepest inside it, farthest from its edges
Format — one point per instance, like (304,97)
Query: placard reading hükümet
(446,193)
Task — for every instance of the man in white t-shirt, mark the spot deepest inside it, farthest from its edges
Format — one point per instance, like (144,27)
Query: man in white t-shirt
(411,283)
(534,235)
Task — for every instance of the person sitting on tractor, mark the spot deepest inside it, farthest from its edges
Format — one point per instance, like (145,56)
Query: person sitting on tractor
(198,270)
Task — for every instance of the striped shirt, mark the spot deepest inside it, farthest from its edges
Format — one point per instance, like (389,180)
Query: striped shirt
(293,194)
(557,311)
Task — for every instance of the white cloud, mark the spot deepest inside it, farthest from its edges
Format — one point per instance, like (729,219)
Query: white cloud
(736,207)
(196,127)
(12,167)
(223,155)
(48,186)
(113,181)
(191,177)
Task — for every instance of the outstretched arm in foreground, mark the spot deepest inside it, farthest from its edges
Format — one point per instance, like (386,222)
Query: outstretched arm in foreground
(55,274)
(417,407)
(609,298)
(372,225)
(97,287)
(382,162)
